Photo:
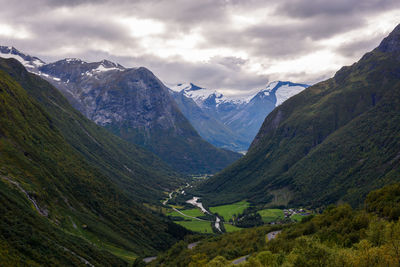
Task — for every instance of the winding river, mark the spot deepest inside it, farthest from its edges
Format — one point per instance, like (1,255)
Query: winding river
(194,202)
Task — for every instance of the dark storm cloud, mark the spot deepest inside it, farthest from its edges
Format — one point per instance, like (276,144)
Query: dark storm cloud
(310,8)
(218,73)
(358,48)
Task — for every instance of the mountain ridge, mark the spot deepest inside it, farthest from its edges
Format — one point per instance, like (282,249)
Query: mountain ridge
(59,206)
(135,105)
(309,146)
(234,121)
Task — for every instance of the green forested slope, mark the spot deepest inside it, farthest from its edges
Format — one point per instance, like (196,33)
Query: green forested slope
(142,174)
(57,205)
(335,141)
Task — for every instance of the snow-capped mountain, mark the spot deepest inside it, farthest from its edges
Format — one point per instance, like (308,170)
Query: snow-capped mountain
(241,117)
(31,63)
(224,121)
(281,91)
(133,104)
(203,96)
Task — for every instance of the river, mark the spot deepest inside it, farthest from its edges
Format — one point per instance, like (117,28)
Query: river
(194,202)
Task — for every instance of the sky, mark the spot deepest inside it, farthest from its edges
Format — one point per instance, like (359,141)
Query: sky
(235,46)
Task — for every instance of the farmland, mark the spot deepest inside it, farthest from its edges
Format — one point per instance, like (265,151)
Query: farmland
(271,215)
(227,211)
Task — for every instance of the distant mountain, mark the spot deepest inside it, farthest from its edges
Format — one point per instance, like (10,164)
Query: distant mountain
(134,104)
(231,122)
(333,142)
(209,126)
(71,192)
(31,63)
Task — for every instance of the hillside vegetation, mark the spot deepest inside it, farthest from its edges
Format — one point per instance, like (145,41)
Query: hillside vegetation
(141,174)
(340,236)
(58,206)
(332,143)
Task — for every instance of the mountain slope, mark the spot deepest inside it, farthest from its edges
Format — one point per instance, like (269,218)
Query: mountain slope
(209,127)
(136,106)
(229,122)
(144,176)
(340,236)
(248,120)
(58,208)
(333,142)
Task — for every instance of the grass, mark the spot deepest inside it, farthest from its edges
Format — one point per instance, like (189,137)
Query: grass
(197,226)
(128,256)
(192,224)
(227,211)
(230,228)
(191,212)
(297,217)
(271,215)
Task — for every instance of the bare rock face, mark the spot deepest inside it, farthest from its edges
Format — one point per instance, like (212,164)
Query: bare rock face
(391,43)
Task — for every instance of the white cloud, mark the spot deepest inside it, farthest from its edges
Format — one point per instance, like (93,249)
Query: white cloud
(12,31)
(142,27)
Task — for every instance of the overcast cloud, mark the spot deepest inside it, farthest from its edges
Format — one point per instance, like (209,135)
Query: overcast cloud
(233,45)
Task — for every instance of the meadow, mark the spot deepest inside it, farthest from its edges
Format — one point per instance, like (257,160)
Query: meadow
(271,215)
(227,211)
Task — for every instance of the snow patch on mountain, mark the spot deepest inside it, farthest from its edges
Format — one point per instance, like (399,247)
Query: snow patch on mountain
(102,68)
(282,90)
(28,61)
(285,92)
(200,94)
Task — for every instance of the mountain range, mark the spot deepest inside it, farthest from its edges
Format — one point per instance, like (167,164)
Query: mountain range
(71,192)
(333,142)
(80,184)
(231,122)
(133,104)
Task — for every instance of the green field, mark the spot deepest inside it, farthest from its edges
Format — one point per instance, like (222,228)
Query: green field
(271,215)
(227,211)
(191,212)
(230,228)
(197,226)
(190,223)
(297,217)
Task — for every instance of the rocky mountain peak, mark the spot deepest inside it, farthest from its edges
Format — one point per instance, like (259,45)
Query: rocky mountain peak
(391,43)
(109,64)
(31,63)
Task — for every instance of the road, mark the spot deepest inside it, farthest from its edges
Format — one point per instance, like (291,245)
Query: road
(192,245)
(272,235)
(189,216)
(169,197)
(149,259)
(240,260)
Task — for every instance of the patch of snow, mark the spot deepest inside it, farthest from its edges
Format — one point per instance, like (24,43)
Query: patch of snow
(179,87)
(19,58)
(200,94)
(102,68)
(285,92)
(56,79)
(73,60)
(38,63)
